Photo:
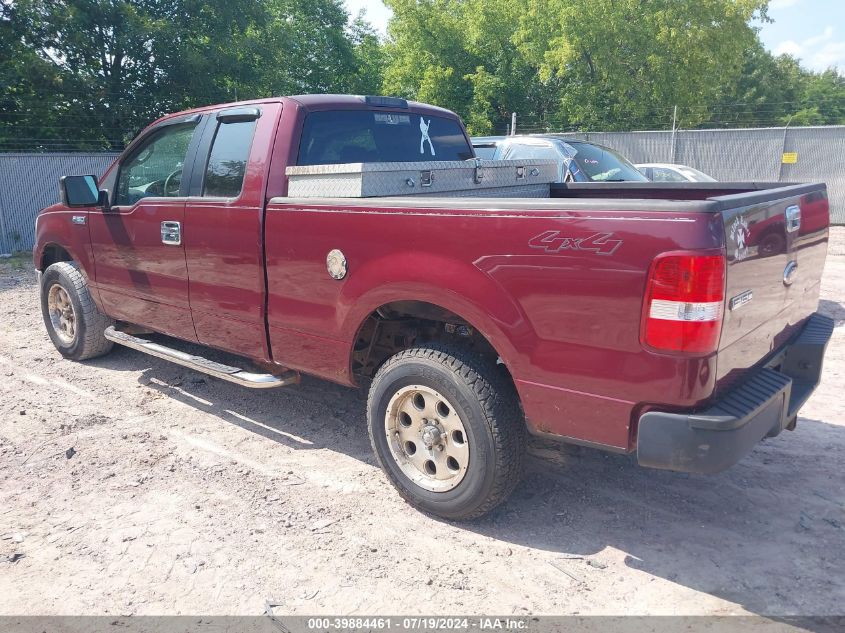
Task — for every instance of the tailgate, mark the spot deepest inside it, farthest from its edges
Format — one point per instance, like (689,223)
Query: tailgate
(776,245)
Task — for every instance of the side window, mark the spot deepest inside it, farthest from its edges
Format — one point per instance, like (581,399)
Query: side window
(667,175)
(224,175)
(155,168)
(531,151)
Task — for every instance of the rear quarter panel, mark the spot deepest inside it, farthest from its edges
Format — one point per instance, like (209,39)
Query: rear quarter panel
(564,320)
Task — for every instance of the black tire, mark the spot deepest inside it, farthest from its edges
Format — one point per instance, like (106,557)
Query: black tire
(487,405)
(88,340)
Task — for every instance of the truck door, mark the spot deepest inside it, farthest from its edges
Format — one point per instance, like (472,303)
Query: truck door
(223,229)
(139,255)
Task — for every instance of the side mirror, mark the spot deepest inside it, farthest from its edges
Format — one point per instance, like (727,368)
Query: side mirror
(82,191)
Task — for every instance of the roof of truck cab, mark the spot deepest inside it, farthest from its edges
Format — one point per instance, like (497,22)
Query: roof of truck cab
(217,106)
(352,102)
(315,102)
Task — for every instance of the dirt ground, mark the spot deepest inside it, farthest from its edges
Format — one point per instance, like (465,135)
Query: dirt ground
(132,486)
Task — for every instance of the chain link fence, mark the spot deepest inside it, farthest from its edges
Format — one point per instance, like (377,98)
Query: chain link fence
(29,182)
(745,155)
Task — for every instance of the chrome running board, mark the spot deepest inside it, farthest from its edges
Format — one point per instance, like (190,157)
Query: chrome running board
(203,365)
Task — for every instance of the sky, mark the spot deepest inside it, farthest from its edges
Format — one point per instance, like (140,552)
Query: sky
(811,30)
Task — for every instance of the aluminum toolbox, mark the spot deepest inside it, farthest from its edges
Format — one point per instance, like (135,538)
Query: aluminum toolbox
(501,178)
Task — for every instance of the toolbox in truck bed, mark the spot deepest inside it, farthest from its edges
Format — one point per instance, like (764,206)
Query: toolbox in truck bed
(506,178)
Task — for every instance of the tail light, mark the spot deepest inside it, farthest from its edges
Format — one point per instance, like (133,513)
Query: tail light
(684,303)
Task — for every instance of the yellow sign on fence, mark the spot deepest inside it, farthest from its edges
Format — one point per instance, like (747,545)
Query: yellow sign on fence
(790,158)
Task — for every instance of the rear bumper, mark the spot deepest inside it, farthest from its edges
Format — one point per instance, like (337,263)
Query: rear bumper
(768,402)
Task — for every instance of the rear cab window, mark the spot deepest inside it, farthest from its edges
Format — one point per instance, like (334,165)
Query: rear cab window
(375,136)
(224,173)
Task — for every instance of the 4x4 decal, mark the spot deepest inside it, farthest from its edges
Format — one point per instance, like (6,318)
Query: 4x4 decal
(554,242)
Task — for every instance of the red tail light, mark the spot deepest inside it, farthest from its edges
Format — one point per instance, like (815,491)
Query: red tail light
(684,303)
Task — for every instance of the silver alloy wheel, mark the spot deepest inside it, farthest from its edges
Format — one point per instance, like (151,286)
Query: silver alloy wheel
(427,438)
(62,314)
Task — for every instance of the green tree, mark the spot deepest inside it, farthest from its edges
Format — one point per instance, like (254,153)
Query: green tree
(763,94)
(610,64)
(462,54)
(368,54)
(823,99)
(26,116)
(774,91)
(626,63)
(104,68)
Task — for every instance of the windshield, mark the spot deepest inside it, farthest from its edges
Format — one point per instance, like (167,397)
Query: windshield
(600,164)
(378,136)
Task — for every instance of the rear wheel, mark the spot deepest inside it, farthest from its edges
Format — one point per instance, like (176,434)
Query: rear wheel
(446,429)
(73,322)
(772,244)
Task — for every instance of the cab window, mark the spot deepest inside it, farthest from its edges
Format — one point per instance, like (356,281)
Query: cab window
(368,136)
(155,168)
(224,174)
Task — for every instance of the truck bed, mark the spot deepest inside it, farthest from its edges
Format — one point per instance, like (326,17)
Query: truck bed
(629,196)
(677,190)
(557,286)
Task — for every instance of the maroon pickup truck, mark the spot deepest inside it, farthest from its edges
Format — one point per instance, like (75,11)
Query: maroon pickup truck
(632,317)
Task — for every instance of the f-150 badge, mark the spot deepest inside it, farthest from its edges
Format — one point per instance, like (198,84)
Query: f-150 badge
(554,242)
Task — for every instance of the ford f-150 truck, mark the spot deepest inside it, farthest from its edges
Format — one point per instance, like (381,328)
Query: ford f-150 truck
(633,317)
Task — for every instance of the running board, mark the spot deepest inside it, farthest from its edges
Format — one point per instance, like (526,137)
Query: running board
(203,365)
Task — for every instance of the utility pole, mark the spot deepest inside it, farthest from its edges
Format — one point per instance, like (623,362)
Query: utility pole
(783,147)
(674,126)
(513,123)
(3,250)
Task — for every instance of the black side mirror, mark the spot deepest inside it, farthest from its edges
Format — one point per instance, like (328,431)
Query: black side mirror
(103,201)
(82,191)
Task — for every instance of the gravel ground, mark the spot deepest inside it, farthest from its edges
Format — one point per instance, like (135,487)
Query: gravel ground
(132,486)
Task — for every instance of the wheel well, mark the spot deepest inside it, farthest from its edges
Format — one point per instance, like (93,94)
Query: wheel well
(404,324)
(54,253)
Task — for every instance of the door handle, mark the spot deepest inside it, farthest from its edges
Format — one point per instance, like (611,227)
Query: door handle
(793,218)
(171,233)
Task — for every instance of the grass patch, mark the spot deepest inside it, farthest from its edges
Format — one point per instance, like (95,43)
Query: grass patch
(21,260)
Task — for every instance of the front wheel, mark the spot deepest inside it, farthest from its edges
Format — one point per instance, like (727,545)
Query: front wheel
(446,429)
(73,322)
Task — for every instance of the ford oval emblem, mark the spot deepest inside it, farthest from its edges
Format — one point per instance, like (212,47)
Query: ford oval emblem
(789,273)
